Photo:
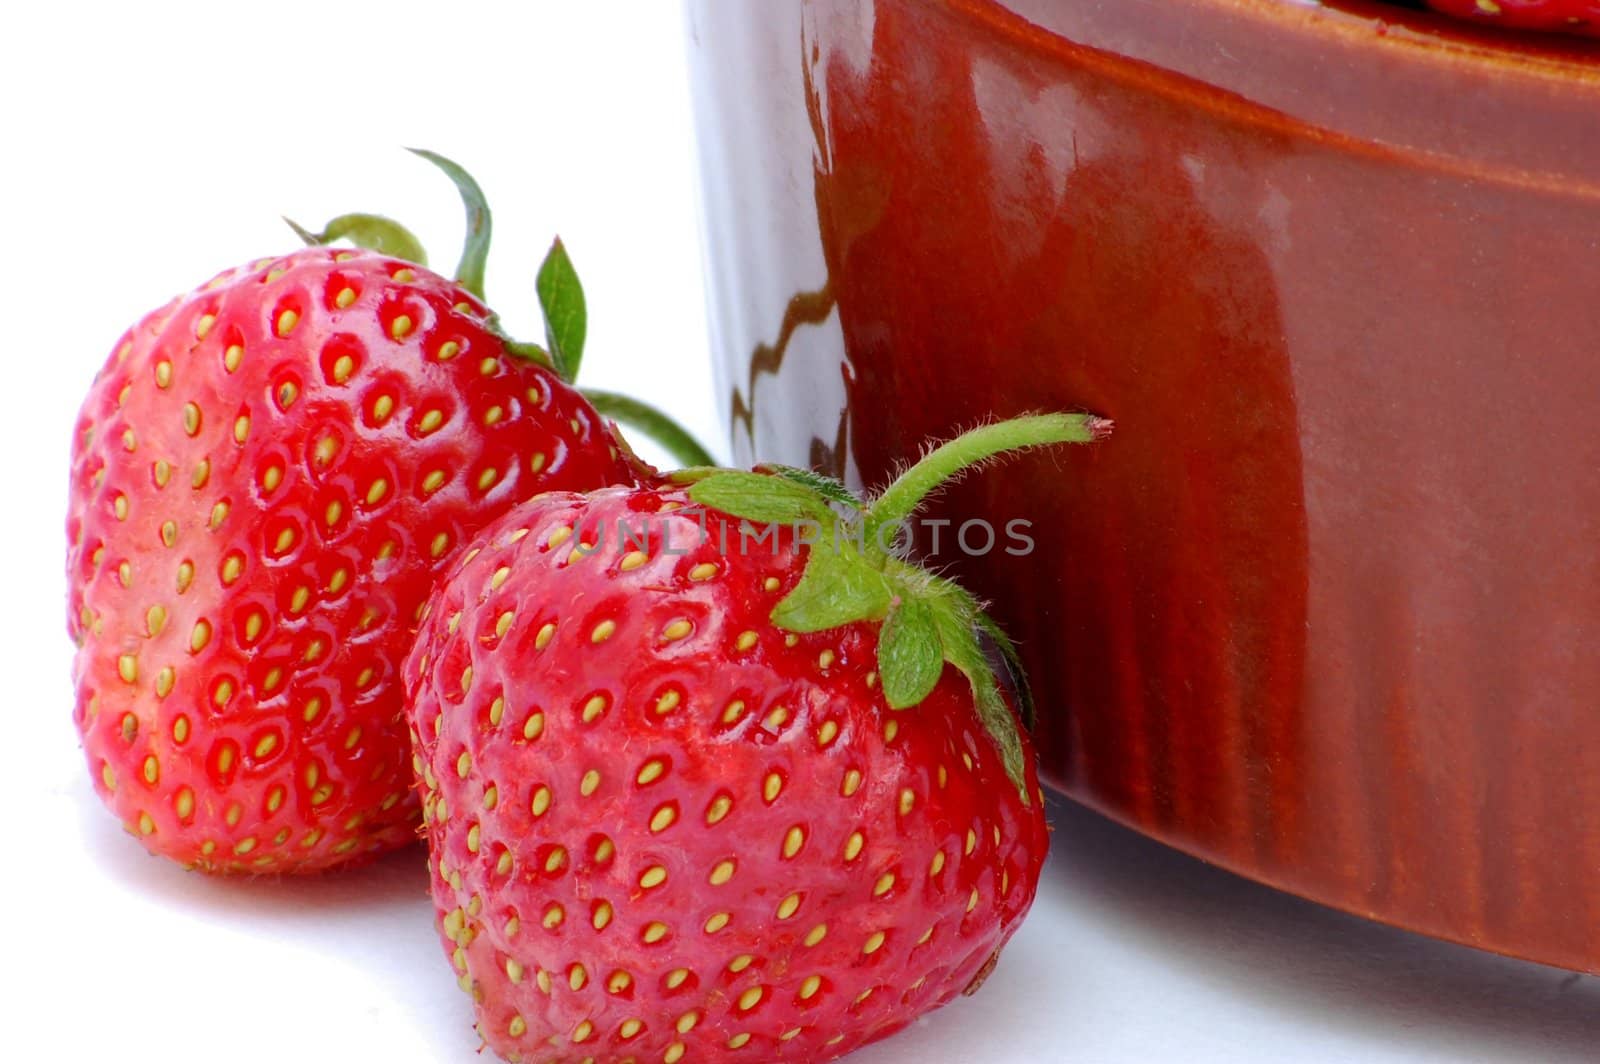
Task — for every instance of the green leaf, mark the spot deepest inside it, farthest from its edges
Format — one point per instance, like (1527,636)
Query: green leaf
(910,653)
(961,649)
(960,621)
(1027,709)
(838,587)
(760,498)
(371,231)
(824,485)
(566,318)
(987,627)
(480,224)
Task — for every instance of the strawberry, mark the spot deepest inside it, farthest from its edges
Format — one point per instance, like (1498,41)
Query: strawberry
(1565,16)
(688,801)
(267,476)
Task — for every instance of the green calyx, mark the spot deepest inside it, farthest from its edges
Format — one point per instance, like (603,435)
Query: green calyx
(566,312)
(480,223)
(560,294)
(372,231)
(855,569)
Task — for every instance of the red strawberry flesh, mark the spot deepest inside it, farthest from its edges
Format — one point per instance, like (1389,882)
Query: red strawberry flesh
(663,828)
(267,476)
(1561,16)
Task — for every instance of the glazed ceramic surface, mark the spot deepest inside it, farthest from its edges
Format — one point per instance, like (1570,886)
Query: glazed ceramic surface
(1326,609)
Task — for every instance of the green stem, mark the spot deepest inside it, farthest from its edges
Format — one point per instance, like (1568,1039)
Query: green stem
(480,223)
(903,498)
(655,424)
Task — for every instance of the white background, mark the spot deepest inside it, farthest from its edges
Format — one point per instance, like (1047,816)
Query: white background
(143,151)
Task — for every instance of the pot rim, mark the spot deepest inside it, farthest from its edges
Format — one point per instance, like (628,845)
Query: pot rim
(1429,36)
(1358,76)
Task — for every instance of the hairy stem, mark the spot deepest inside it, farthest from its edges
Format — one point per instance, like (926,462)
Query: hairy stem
(907,494)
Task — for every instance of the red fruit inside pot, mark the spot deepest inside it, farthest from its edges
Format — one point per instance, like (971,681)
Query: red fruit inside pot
(1554,16)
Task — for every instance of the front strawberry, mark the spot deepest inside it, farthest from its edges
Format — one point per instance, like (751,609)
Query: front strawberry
(705,788)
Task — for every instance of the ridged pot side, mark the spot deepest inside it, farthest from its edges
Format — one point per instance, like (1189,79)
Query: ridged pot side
(1318,611)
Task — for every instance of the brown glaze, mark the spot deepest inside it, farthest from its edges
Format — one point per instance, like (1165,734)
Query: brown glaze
(1326,610)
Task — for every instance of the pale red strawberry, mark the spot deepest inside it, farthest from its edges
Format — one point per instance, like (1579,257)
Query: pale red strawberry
(1561,16)
(691,802)
(267,475)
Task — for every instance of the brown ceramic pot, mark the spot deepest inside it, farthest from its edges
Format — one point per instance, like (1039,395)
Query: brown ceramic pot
(1326,610)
